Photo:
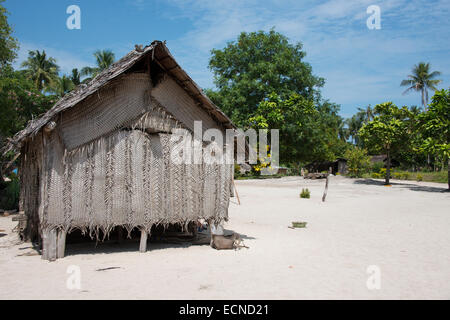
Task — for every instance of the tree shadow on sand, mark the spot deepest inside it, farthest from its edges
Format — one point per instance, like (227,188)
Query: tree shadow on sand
(410,186)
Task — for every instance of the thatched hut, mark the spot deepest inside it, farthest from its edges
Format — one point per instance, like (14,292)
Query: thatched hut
(100,158)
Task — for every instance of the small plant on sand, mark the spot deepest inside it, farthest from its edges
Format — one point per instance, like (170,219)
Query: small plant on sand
(305,194)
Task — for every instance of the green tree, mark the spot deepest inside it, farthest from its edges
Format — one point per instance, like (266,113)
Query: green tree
(8,44)
(75,77)
(42,70)
(103,59)
(259,63)
(421,80)
(308,132)
(388,132)
(20,102)
(358,162)
(434,126)
(354,124)
(62,86)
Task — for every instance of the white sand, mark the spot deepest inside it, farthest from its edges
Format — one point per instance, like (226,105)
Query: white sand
(403,229)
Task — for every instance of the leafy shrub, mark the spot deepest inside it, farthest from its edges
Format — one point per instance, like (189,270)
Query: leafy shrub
(405,175)
(305,194)
(419,177)
(357,161)
(377,166)
(376,175)
(397,175)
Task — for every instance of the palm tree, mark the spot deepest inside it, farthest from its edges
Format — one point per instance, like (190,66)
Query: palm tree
(42,70)
(356,122)
(368,113)
(75,77)
(62,86)
(421,80)
(104,58)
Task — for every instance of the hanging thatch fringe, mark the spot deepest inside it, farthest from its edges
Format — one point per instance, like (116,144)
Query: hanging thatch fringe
(136,185)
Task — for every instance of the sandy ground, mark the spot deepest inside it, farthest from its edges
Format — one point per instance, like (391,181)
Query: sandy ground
(403,230)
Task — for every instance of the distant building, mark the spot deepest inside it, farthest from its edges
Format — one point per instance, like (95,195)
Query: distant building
(337,166)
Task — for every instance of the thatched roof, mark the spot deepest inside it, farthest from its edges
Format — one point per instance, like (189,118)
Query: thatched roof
(158,52)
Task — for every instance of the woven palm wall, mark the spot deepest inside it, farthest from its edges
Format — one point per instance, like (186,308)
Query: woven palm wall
(109,164)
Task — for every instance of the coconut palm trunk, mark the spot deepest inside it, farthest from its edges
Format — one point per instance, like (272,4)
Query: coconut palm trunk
(388,168)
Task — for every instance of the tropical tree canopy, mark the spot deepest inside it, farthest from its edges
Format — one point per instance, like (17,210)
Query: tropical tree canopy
(434,126)
(75,77)
(421,80)
(388,132)
(62,86)
(103,59)
(308,131)
(8,44)
(41,69)
(259,63)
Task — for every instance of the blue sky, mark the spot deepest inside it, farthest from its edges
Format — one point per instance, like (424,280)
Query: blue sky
(361,66)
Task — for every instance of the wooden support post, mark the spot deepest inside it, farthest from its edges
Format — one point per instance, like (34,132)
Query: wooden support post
(143,244)
(237,194)
(61,244)
(45,244)
(49,245)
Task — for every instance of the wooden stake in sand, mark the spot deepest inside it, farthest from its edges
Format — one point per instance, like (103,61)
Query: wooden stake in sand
(237,195)
(326,186)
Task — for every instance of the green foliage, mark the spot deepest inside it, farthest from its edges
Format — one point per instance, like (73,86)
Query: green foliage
(20,102)
(377,166)
(396,175)
(357,161)
(75,77)
(308,131)
(62,85)
(356,122)
(389,129)
(9,194)
(259,63)
(419,177)
(434,125)
(376,175)
(42,70)
(389,132)
(421,80)
(8,44)
(103,59)
(305,194)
